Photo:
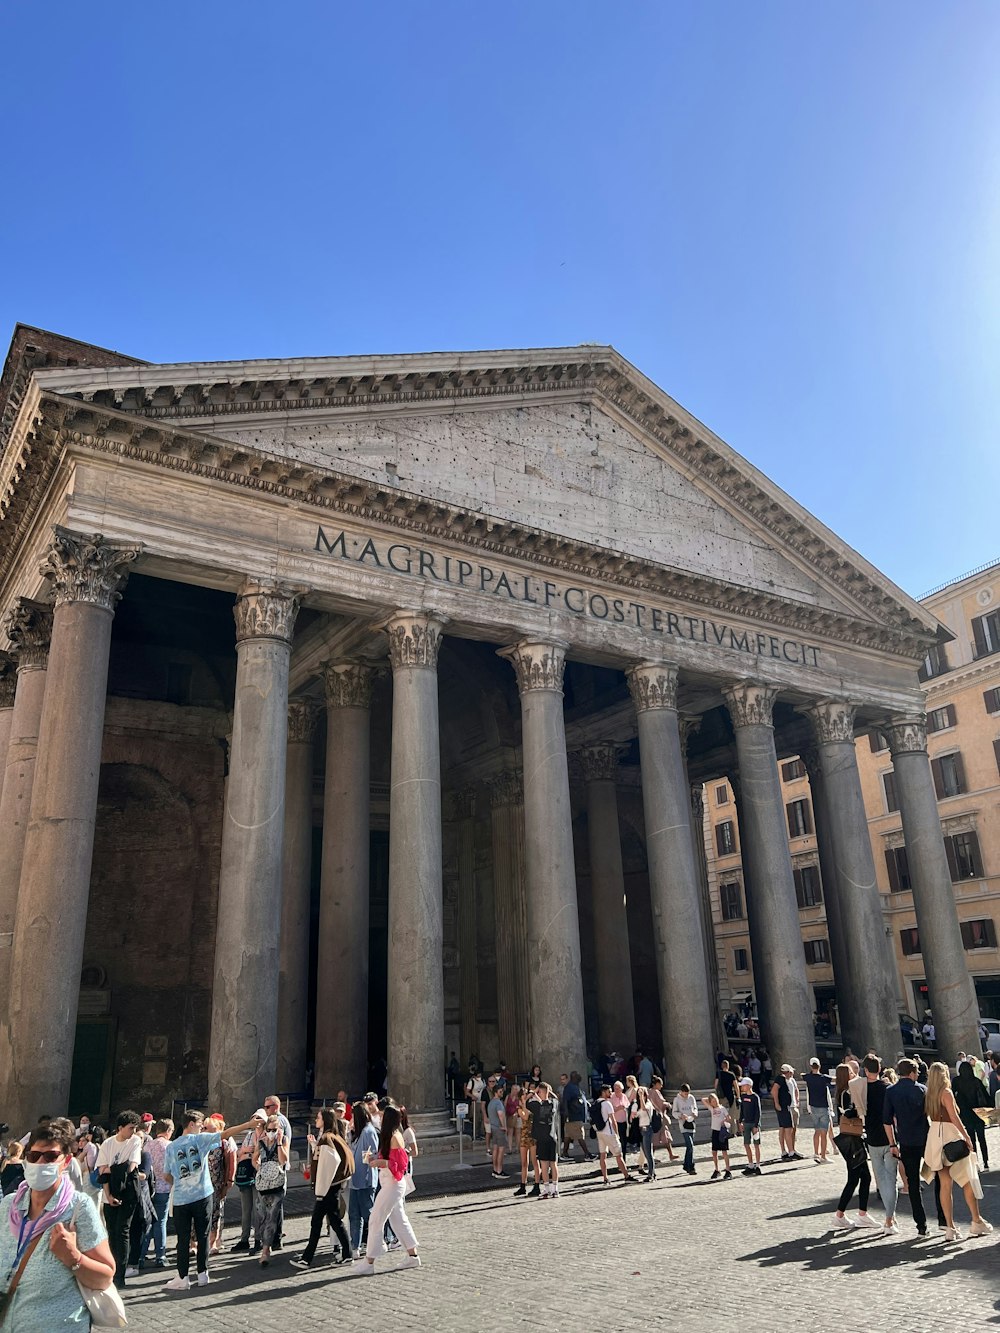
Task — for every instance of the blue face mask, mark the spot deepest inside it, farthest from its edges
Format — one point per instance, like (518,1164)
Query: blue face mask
(41,1175)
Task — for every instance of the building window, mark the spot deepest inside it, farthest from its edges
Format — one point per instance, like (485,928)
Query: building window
(799,818)
(725,838)
(941,718)
(949,775)
(722,795)
(964,860)
(807,886)
(934,664)
(991,698)
(793,770)
(889,791)
(979,934)
(877,741)
(732,901)
(910,940)
(899,869)
(986,633)
(817,951)
(741,963)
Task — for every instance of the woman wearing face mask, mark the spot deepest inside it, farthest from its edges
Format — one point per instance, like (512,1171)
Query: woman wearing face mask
(270,1157)
(50,1237)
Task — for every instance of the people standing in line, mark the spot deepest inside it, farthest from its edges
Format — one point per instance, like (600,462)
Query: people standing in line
(332,1164)
(819,1087)
(879,1149)
(391,1162)
(970,1093)
(946,1128)
(361,1196)
(545,1132)
(721,1126)
(659,1103)
(118,1161)
(904,1117)
(785,1095)
(608,1139)
(749,1121)
(156,1234)
(852,1148)
(270,1160)
(685,1111)
(496,1115)
(186,1169)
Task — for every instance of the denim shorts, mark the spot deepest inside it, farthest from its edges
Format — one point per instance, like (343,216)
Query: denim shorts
(820,1117)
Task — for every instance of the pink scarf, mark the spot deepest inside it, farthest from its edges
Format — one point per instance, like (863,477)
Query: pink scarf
(57,1205)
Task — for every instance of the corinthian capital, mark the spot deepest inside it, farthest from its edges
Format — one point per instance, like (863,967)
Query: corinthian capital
(507,788)
(906,734)
(348,684)
(750,703)
(414,639)
(599,763)
(833,720)
(538,664)
(462,804)
(86,569)
(652,685)
(8,679)
(266,610)
(302,713)
(28,625)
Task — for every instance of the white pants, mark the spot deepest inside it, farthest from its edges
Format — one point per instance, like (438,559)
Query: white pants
(388,1207)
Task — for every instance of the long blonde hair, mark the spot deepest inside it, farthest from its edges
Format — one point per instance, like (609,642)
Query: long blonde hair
(938,1082)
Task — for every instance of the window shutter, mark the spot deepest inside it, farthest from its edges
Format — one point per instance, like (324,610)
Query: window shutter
(976,858)
(893,869)
(873,742)
(953,871)
(952,715)
(979,634)
(991,700)
(996,751)
(959,772)
(938,783)
(807,822)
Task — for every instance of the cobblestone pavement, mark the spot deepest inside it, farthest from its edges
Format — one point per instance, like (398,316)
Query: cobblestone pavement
(684,1249)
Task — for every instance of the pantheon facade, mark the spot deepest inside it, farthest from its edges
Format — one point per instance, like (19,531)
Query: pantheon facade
(359,707)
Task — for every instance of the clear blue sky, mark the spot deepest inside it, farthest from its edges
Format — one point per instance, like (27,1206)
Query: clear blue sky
(786,214)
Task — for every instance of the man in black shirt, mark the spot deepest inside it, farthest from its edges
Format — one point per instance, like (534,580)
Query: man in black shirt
(905,1123)
(725,1085)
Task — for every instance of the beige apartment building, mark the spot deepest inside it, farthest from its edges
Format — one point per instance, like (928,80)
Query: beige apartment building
(962,689)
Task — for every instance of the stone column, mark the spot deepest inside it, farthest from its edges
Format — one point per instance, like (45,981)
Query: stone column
(685,1002)
(952,992)
(296,886)
(243,1065)
(557,1021)
(513,972)
(29,627)
(342,975)
(464,810)
(36,1044)
(8,684)
(850,1029)
(615,1006)
(871,967)
(705,905)
(784,998)
(416,897)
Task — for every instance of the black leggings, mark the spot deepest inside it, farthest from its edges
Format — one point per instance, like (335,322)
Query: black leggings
(329,1208)
(977,1133)
(858,1178)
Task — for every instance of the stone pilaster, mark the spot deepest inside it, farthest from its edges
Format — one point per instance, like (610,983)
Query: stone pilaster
(952,992)
(28,626)
(416,903)
(243,1054)
(296,884)
(784,998)
(342,976)
(615,1007)
(38,1030)
(871,966)
(685,1001)
(553,934)
(511,909)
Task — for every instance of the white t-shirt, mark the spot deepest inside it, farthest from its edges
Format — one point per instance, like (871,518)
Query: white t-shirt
(113,1152)
(409,1139)
(720,1114)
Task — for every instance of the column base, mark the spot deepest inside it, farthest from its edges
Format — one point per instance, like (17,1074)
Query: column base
(436,1124)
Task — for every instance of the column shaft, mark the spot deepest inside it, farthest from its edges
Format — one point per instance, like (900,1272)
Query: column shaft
(686,1005)
(511,911)
(8,682)
(296,885)
(557,1020)
(342,976)
(243,1055)
(416,905)
(952,991)
(468,953)
(36,1047)
(784,998)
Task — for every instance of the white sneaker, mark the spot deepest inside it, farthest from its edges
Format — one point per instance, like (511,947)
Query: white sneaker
(202,1279)
(891,1228)
(394,1245)
(362,1268)
(866,1220)
(952,1233)
(842,1223)
(980,1228)
(356,1254)
(411,1261)
(131,1272)
(177,1284)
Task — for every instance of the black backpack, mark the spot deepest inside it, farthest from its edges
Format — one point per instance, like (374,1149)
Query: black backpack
(543,1119)
(596,1116)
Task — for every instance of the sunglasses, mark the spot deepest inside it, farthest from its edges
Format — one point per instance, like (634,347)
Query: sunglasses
(34,1156)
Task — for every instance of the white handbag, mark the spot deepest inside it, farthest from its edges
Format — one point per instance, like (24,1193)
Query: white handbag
(107,1309)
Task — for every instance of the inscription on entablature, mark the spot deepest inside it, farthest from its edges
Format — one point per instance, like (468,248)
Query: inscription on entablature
(415,562)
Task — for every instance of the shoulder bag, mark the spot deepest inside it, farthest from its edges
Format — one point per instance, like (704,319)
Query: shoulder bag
(107,1310)
(269,1177)
(955,1150)
(850,1122)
